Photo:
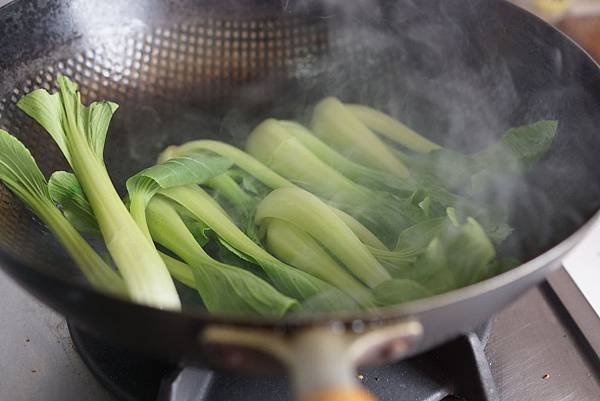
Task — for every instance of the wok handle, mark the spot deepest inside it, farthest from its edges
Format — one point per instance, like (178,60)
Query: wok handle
(321,359)
(323,368)
(341,394)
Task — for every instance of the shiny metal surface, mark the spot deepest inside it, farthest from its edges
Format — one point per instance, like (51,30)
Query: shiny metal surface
(537,354)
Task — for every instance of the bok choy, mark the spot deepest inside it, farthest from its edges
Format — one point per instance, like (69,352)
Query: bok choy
(224,289)
(194,168)
(338,127)
(237,156)
(392,128)
(288,280)
(271,143)
(67,192)
(297,248)
(20,173)
(307,212)
(80,132)
(356,212)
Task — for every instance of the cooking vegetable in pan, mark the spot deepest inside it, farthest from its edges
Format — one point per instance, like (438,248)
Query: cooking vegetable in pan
(80,132)
(357,212)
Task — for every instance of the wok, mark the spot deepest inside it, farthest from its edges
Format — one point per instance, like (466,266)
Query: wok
(459,71)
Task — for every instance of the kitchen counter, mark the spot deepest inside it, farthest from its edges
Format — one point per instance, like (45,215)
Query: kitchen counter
(37,358)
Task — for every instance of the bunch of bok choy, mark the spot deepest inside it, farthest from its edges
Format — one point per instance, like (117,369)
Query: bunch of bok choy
(356,212)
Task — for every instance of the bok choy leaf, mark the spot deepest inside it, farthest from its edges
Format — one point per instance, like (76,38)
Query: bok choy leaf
(244,203)
(224,289)
(289,280)
(65,190)
(397,291)
(194,168)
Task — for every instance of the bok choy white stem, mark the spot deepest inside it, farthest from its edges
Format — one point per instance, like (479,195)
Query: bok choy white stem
(308,213)
(65,190)
(361,174)
(338,127)
(296,248)
(392,128)
(272,144)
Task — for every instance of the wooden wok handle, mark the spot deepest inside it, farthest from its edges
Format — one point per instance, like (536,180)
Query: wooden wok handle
(340,394)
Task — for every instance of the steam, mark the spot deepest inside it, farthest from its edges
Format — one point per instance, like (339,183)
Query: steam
(441,72)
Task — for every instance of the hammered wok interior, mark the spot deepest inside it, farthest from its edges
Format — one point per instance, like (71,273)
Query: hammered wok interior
(454,70)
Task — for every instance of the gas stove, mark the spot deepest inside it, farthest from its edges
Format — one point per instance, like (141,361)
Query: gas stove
(531,351)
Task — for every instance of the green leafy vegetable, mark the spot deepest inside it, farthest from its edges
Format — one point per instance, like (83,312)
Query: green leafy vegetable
(65,191)
(224,289)
(68,193)
(397,291)
(525,144)
(362,232)
(238,157)
(22,176)
(290,281)
(335,220)
(431,269)
(358,173)
(245,204)
(271,143)
(469,251)
(195,168)
(80,133)
(308,213)
(392,128)
(296,248)
(338,127)
(417,237)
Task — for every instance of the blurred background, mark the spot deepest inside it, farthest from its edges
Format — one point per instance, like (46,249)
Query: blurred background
(579,19)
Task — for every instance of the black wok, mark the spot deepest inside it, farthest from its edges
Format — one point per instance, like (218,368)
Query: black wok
(459,71)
